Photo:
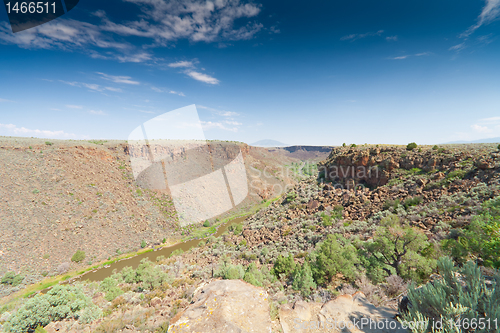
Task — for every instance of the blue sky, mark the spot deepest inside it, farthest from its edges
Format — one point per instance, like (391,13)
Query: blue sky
(316,72)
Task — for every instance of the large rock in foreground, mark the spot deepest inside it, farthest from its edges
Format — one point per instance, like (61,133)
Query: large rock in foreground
(346,313)
(225,306)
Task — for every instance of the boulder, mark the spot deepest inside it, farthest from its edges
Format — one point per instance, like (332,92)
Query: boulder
(346,313)
(225,306)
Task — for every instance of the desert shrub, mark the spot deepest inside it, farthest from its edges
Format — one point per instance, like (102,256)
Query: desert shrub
(48,143)
(415,201)
(390,203)
(12,279)
(78,256)
(206,224)
(109,286)
(399,247)
(150,276)
(228,271)
(143,244)
(327,220)
(40,329)
(176,253)
(467,299)
(283,266)
(456,174)
(353,145)
(302,279)
(59,303)
(236,228)
(63,268)
(335,255)
(435,147)
(253,275)
(479,239)
(395,285)
(411,146)
(441,150)
(291,196)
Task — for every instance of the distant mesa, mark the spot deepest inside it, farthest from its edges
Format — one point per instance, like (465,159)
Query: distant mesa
(490,140)
(269,143)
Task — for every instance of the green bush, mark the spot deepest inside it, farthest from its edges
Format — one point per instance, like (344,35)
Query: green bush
(353,145)
(327,220)
(253,275)
(435,147)
(411,146)
(303,279)
(283,266)
(40,329)
(61,302)
(206,224)
(451,300)
(236,228)
(109,286)
(479,239)
(291,196)
(12,279)
(144,244)
(415,201)
(334,256)
(78,256)
(48,143)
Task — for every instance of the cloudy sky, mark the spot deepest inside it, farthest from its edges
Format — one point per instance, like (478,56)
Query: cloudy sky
(316,72)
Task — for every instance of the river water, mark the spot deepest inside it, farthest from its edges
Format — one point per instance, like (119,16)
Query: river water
(102,273)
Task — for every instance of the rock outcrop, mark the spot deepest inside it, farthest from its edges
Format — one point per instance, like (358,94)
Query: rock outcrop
(225,306)
(345,313)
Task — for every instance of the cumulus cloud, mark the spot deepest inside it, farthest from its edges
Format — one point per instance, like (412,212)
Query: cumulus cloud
(202,77)
(74,106)
(480,129)
(22,131)
(354,37)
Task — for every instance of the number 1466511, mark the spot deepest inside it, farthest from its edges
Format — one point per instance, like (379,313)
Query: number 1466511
(31,7)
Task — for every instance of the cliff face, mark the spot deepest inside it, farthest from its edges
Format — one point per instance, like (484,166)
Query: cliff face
(375,166)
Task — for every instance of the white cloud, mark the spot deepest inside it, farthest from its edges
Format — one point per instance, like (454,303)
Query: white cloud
(458,47)
(181,64)
(91,86)
(400,57)
(168,91)
(354,37)
(391,38)
(98,113)
(219,112)
(490,12)
(74,106)
(492,120)
(5,100)
(422,54)
(202,77)
(195,20)
(22,131)
(145,111)
(207,125)
(480,129)
(118,79)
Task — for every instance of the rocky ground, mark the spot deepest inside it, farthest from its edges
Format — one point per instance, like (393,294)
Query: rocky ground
(61,196)
(436,190)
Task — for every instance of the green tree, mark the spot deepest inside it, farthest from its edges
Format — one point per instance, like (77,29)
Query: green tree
(334,256)
(411,146)
(399,247)
(303,279)
(78,256)
(283,265)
